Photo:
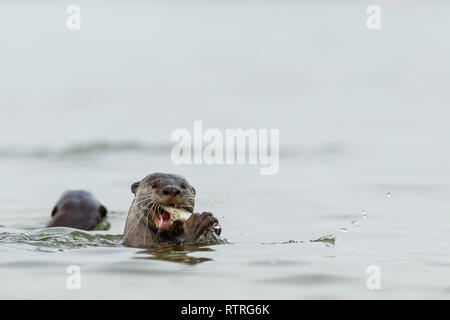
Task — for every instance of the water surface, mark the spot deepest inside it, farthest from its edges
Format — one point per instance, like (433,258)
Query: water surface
(362,115)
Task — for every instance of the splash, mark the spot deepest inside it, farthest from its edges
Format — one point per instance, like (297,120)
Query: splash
(328,239)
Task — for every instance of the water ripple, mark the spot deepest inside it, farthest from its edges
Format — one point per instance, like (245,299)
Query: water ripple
(57,239)
(85,149)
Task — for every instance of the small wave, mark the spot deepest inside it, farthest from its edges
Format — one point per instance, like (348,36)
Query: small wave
(86,149)
(57,239)
(60,238)
(328,240)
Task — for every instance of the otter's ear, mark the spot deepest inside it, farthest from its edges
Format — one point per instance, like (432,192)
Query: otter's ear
(102,211)
(54,211)
(134,187)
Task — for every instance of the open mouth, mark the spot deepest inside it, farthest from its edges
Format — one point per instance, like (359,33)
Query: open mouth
(162,219)
(165,216)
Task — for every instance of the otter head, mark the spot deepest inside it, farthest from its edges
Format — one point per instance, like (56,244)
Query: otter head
(161,189)
(77,209)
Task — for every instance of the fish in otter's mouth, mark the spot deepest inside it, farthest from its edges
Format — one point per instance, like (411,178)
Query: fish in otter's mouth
(164,216)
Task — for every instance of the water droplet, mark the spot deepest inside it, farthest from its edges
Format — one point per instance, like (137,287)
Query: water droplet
(217,230)
(364,214)
(355,223)
(388,194)
(344,229)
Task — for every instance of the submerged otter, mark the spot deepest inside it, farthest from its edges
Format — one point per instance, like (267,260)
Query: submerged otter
(150,220)
(77,209)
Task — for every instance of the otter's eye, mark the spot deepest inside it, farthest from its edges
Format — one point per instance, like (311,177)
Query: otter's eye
(183,186)
(154,185)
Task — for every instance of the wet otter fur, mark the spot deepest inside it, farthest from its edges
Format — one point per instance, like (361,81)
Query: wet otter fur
(148,224)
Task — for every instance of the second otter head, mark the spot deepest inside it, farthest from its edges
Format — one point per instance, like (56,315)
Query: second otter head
(161,189)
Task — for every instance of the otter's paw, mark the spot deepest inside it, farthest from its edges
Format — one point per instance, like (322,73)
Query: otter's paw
(197,225)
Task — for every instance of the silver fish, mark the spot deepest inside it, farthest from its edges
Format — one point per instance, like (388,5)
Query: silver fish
(177,214)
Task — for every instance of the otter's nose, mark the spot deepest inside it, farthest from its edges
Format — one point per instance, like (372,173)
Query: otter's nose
(171,190)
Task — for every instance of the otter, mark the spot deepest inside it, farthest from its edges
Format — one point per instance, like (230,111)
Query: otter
(77,209)
(149,224)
